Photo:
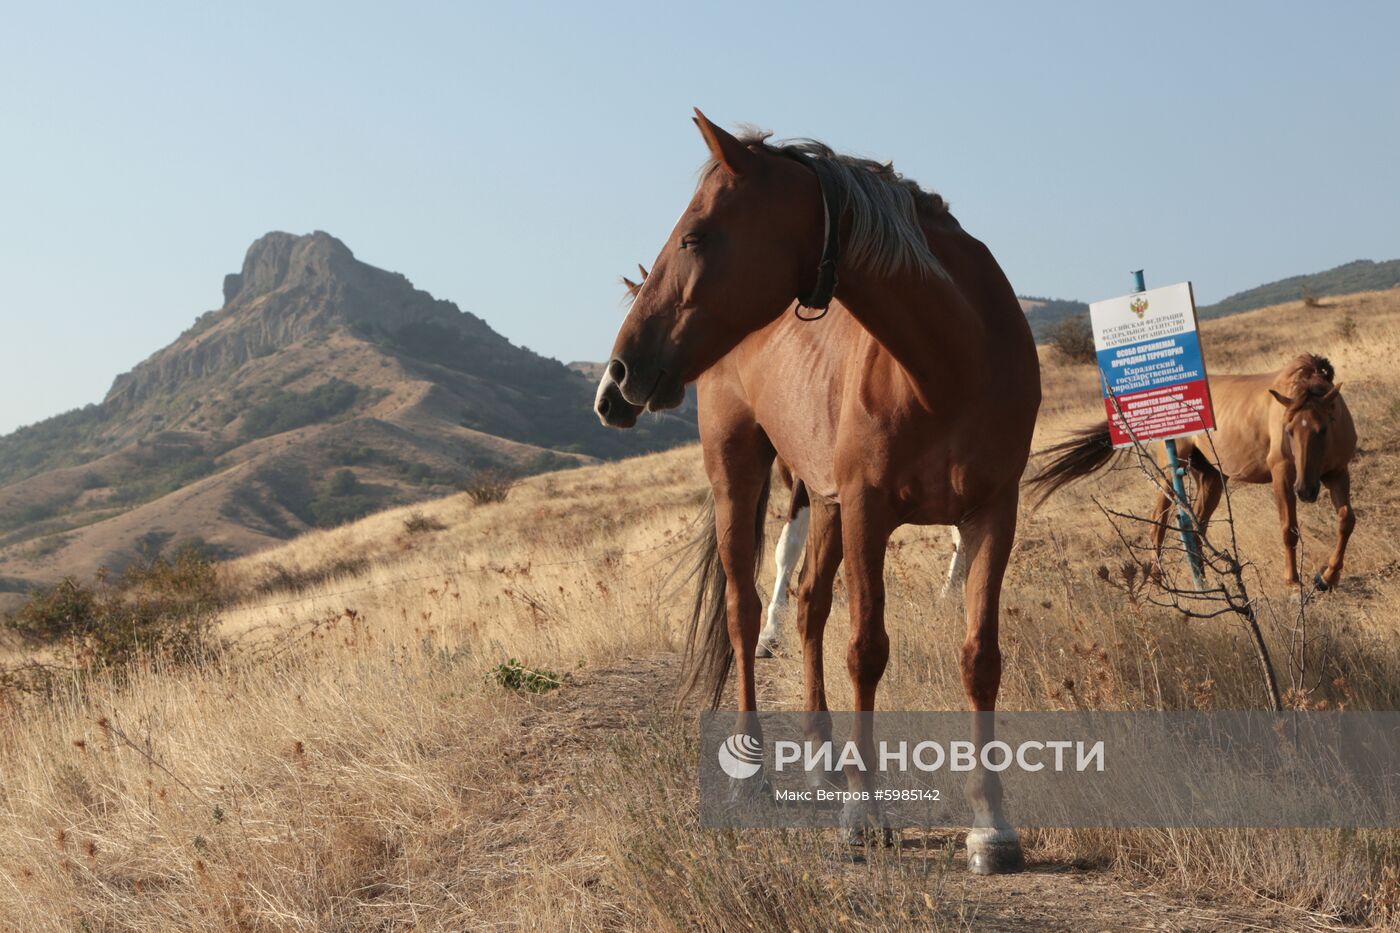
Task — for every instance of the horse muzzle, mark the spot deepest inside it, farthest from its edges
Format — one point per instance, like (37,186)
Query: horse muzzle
(1308,492)
(649,388)
(612,409)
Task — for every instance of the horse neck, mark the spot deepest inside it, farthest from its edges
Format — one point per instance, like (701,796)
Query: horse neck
(926,325)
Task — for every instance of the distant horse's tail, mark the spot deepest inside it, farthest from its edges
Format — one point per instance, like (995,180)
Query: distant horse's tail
(1086,452)
(708,652)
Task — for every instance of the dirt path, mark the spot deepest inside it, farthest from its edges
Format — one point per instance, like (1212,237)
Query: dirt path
(1048,896)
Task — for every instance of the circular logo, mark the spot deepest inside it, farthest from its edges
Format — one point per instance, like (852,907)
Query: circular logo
(741,756)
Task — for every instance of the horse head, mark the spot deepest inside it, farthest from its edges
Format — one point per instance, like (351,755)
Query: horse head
(612,408)
(741,251)
(1309,414)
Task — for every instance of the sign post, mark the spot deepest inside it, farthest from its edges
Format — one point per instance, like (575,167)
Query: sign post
(1154,380)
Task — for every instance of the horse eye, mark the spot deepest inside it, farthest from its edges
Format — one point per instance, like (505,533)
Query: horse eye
(691,240)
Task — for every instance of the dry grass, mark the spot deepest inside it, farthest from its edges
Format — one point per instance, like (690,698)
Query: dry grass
(350,765)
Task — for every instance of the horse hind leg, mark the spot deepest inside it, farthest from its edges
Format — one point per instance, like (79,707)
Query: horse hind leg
(1211,485)
(1161,514)
(813,609)
(866,523)
(957,566)
(789,549)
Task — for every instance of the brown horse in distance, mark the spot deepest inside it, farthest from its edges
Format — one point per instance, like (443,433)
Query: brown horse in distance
(912,401)
(1289,428)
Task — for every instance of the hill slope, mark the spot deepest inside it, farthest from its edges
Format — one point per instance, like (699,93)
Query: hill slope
(1044,313)
(323,389)
(1359,276)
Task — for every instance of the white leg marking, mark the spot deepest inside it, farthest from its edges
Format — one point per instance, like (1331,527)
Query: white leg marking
(790,544)
(957,567)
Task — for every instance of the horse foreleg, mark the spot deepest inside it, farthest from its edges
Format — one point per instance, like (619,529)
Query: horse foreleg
(740,469)
(1339,487)
(993,845)
(866,524)
(1288,521)
(790,543)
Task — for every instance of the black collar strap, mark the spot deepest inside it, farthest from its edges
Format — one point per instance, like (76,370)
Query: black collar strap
(819,298)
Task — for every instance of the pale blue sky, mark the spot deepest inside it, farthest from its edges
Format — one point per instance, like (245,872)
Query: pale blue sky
(517,158)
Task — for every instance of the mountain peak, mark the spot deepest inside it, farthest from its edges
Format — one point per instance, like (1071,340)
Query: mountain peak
(276,259)
(323,388)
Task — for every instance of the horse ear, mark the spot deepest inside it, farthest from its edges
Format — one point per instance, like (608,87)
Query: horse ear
(1282,399)
(632,287)
(1332,393)
(643,270)
(726,149)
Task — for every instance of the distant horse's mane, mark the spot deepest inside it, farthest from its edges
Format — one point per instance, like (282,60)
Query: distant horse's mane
(1309,375)
(884,206)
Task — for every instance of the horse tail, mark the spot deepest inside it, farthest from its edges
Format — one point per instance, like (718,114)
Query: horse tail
(709,655)
(1087,451)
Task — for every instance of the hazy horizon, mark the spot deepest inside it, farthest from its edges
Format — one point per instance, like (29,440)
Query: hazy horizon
(517,162)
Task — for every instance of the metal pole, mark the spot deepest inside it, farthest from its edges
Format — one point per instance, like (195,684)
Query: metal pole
(1178,474)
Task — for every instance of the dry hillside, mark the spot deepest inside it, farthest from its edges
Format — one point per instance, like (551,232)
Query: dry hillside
(323,389)
(351,762)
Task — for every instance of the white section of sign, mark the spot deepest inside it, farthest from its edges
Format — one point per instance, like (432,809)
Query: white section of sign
(1157,312)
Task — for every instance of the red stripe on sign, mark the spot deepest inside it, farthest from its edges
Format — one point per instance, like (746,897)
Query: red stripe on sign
(1168,411)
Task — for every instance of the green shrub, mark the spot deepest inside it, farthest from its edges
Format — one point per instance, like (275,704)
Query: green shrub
(150,544)
(282,411)
(330,511)
(1346,327)
(1073,339)
(280,578)
(417,523)
(512,675)
(166,609)
(343,483)
(489,485)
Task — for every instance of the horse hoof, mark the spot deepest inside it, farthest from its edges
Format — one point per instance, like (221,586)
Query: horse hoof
(751,793)
(1320,584)
(765,649)
(994,852)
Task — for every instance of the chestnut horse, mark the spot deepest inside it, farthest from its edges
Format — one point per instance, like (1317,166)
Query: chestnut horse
(912,401)
(1290,428)
(793,537)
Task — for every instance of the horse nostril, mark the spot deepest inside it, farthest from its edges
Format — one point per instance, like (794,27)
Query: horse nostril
(604,406)
(618,371)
